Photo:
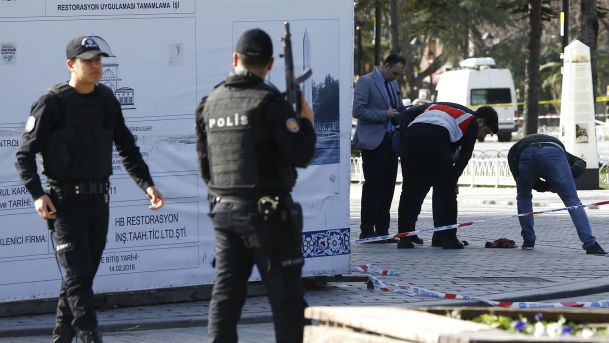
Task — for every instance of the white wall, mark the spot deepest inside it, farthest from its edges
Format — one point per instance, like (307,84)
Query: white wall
(170,57)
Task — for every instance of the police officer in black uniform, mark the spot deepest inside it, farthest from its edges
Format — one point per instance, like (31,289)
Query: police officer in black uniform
(73,127)
(249,140)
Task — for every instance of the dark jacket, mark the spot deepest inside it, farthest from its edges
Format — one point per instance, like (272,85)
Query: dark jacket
(278,140)
(463,148)
(74,134)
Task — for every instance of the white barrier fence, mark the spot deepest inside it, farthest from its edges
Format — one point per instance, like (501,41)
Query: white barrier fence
(602,137)
(486,168)
(490,167)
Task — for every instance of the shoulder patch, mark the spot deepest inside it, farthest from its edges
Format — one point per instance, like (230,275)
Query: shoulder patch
(292,125)
(30,124)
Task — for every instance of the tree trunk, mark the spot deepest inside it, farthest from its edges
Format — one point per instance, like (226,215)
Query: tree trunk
(395,24)
(589,35)
(377,32)
(465,37)
(395,34)
(533,84)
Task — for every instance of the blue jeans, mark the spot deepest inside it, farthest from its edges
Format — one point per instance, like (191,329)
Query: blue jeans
(549,163)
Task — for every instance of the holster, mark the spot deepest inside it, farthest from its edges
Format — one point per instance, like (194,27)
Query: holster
(286,210)
(294,217)
(51,222)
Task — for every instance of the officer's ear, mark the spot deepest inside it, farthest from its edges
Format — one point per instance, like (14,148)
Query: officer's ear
(70,63)
(235,59)
(269,64)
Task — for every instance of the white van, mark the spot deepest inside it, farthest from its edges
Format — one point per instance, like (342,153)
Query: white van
(479,83)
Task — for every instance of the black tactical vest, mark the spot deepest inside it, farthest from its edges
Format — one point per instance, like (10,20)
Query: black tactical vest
(80,148)
(241,151)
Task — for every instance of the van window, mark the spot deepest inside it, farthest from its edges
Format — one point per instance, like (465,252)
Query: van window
(491,96)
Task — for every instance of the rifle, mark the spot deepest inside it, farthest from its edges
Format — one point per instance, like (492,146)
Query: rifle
(291,82)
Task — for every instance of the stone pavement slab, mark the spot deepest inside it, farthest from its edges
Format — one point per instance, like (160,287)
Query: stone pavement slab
(557,268)
(248,333)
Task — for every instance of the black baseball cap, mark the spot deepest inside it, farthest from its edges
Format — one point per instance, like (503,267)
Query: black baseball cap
(256,44)
(83,47)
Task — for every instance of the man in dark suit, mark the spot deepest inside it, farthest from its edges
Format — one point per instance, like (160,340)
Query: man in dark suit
(376,103)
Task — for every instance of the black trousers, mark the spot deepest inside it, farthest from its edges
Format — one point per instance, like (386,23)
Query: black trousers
(380,170)
(80,231)
(243,239)
(427,161)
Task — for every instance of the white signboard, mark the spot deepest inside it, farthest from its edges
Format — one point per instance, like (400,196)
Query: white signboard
(164,57)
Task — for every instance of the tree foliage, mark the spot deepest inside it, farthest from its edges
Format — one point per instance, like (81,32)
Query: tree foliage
(326,100)
(433,34)
(430,33)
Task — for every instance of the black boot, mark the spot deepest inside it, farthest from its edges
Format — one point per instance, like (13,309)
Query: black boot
(416,240)
(90,336)
(405,243)
(62,334)
(452,243)
(366,232)
(436,239)
(385,233)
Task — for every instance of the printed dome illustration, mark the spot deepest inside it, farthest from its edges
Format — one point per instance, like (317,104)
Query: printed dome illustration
(103,45)
(110,76)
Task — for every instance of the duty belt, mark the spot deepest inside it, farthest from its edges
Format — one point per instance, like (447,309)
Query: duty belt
(83,187)
(266,205)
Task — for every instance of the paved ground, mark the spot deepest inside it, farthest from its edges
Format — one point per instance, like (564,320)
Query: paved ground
(556,269)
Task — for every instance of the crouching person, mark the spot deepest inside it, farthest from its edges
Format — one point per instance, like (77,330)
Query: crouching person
(541,162)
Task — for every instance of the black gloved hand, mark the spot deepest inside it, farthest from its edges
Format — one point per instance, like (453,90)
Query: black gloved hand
(541,186)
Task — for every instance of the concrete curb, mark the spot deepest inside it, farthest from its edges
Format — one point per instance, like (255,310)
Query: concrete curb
(599,285)
(151,324)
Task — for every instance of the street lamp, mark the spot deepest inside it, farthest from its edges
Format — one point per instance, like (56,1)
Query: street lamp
(488,38)
(360,49)
(416,43)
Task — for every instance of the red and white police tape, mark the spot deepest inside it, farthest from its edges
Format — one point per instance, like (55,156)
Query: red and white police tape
(372,270)
(419,291)
(459,225)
